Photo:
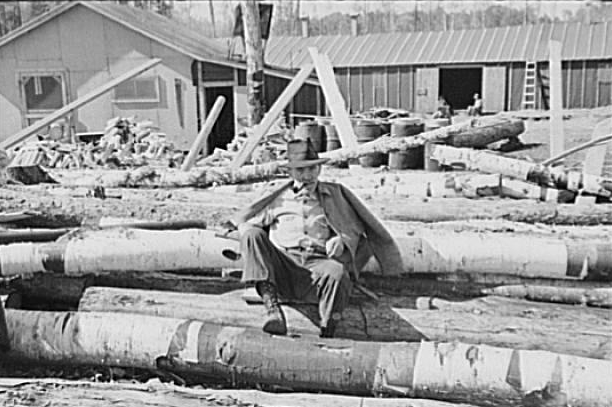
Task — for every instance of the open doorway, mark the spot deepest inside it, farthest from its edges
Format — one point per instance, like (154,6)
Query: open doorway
(458,86)
(224,128)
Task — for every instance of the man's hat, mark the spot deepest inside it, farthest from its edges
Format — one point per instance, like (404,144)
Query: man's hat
(301,153)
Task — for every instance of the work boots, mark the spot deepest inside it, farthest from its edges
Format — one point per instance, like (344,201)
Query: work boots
(275,322)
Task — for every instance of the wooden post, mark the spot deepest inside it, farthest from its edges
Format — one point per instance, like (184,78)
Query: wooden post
(334,98)
(270,117)
(557,136)
(200,141)
(254,61)
(83,100)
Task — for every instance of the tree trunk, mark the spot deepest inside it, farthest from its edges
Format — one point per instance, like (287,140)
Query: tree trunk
(74,393)
(254,61)
(118,250)
(446,371)
(148,177)
(473,132)
(595,297)
(506,323)
(549,177)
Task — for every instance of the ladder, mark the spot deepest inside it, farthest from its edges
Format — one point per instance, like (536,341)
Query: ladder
(529,91)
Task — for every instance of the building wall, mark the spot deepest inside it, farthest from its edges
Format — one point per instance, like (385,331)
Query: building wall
(92,50)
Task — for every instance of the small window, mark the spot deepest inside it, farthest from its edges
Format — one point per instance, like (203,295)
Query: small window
(43,92)
(138,90)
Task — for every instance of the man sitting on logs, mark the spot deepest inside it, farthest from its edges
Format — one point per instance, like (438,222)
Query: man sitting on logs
(476,108)
(307,240)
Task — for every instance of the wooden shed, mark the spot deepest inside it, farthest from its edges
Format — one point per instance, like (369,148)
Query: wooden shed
(79,46)
(410,70)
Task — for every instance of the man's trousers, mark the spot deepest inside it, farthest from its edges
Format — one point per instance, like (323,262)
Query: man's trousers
(302,276)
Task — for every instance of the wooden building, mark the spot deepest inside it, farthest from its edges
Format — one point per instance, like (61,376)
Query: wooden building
(78,46)
(410,70)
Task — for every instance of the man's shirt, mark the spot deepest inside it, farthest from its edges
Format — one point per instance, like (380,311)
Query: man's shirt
(297,219)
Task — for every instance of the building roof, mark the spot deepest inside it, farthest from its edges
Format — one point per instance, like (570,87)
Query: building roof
(164,30)
(489,45)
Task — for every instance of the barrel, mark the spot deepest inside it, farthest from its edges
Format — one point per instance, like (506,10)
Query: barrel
(366,131)
(311,130)
(413,157)
(432,165)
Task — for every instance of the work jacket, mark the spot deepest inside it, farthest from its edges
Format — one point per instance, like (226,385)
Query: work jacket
(362,233)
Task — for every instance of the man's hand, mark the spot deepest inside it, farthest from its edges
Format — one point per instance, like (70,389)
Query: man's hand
(334,247)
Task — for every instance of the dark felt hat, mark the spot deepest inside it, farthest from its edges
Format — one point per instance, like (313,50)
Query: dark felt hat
(301,153)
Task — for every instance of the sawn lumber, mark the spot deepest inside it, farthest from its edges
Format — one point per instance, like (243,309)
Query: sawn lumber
(444,371)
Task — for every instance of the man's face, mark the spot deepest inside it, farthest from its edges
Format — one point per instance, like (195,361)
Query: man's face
(306,176)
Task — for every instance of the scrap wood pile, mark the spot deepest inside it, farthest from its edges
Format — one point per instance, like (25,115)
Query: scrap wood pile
(125,143)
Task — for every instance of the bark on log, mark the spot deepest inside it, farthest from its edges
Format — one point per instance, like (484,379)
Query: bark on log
(119,250)
(150,177)
(595,297)
(72,393)
(213,205)
(572,332)
(523,170)
(474,131)
(445,371)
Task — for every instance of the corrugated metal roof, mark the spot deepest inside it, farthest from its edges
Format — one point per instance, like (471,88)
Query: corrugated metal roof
(501,44)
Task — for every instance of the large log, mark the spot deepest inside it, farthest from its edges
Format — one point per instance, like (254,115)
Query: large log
(154,204)
(118,250)
(444,371)
(596,297)
(497,322)
(150,177)
(476,131)
(75,393)
(523,170)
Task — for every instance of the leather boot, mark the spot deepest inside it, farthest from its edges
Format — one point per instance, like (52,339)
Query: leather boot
(275,322)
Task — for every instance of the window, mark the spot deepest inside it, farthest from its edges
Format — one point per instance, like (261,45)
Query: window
(42,93)
(138,90)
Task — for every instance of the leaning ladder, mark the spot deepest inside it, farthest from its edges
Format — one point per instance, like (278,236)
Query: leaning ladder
(529,91)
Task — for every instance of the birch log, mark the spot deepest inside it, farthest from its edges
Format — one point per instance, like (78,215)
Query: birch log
(150,177)
(502,322)
(472,132)
(552,177)
(444,371)
(119,250)
(596,297)
(59,392)
(455,371)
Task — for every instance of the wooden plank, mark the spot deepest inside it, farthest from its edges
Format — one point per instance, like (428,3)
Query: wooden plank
(270,117)
(83,100)
(200,141)
(334,98)
(594,159)
(557,135)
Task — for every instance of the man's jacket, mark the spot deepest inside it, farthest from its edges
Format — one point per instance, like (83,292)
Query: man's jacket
(361,231)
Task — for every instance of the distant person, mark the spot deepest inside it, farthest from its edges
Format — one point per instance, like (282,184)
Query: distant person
(476,108)
(445,111)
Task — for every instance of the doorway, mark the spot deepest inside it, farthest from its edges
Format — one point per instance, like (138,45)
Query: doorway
(224,128)
(458,86)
